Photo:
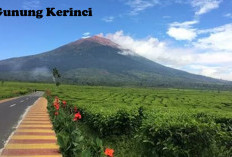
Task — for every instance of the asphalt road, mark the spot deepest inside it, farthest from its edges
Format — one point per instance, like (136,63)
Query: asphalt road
(11,112)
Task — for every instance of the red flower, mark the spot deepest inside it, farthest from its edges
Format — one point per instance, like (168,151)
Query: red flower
(57,106)
(56,113)
(64,103)
(75,109)
(109,152)
(77,116)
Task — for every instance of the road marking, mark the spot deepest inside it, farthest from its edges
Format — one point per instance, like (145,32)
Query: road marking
(12,105)
(22,101)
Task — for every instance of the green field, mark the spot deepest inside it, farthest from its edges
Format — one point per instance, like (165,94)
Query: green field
(146,121)
(9,90)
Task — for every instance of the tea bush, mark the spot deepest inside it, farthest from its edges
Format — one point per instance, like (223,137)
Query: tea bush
(181,134)
(140,121)
(120,123)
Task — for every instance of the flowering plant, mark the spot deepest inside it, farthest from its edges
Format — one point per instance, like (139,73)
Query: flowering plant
(109,152)
(77,116)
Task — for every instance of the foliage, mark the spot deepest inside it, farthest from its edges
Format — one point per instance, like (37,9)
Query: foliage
(142,121)
(168,122)
(122,122)
(69,137)
(56,76)
(183,134)
(9,90)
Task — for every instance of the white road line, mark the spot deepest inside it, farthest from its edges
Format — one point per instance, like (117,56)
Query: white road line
(12,105)
(22,101)
(21,119)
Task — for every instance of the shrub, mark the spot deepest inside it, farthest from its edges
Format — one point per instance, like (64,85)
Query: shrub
(120,123)
(70,139)
(182,135)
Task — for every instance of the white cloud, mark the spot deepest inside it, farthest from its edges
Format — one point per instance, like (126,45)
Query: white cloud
(140,5)
(205,70)
(201,6)
(205,6)
(219,39)
(182,31)
(32,4)
(186,24)
(213,71)
(108,19)
(153,49)
(86,35)
(212,58)
(229,15)
(217,64)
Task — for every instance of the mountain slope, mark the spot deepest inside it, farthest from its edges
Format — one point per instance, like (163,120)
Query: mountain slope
(97,60)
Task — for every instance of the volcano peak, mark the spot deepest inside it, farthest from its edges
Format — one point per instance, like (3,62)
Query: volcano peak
(98,39)
(101,40)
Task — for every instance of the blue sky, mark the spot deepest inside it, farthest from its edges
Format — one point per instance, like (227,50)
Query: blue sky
(191,35)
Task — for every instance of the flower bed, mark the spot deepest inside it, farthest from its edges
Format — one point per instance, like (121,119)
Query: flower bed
(70,139)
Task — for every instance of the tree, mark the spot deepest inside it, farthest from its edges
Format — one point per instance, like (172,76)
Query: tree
(56,76)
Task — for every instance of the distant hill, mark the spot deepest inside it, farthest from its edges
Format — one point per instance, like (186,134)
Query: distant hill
(99,61)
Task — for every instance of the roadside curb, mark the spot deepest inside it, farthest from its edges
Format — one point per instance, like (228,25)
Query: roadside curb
(19,122)
(34,135)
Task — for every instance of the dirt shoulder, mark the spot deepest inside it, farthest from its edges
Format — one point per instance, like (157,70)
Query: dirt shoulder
(9,99)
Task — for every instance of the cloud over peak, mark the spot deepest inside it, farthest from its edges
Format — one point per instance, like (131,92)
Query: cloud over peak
(86,35)
(216,64)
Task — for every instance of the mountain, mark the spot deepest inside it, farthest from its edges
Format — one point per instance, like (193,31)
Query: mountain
(99,61)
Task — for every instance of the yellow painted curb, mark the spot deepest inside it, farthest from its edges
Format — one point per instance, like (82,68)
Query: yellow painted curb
(33,137)
(32,146)
(36,121)
(34,130)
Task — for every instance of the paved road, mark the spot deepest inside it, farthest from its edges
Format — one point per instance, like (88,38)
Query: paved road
(11,112)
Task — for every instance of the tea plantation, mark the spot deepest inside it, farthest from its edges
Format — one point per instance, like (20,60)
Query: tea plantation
(138,121)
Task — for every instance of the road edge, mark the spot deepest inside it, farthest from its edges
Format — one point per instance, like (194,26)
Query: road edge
(17,125)
(8,99)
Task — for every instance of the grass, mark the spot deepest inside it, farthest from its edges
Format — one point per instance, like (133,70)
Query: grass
(10,89)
